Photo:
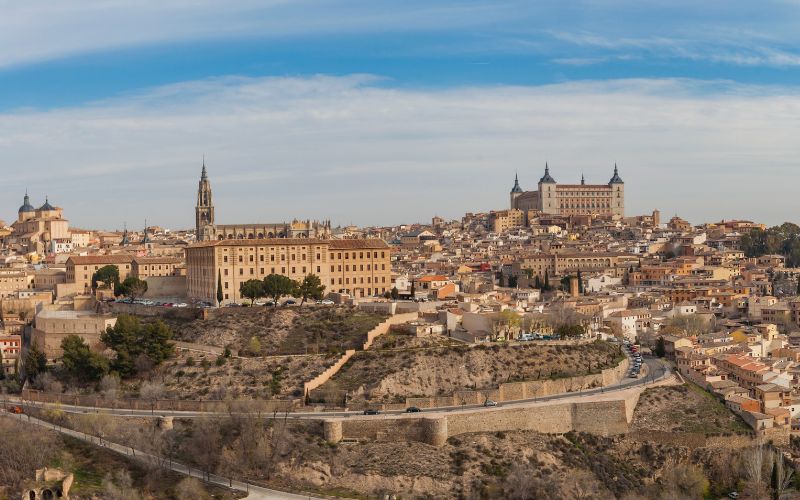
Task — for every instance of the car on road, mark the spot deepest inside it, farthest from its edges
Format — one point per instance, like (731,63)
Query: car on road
(289,302)
(413,409)
(325,302)
(489,402)
(371,411)
(733,494)
(180,304)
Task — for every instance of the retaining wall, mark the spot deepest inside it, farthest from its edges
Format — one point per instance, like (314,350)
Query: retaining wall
(327,374)
(597,417)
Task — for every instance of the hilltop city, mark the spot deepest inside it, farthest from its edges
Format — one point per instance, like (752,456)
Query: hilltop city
(555,347)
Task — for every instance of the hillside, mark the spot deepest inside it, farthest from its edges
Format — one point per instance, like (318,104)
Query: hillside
(284,330)
(392,375)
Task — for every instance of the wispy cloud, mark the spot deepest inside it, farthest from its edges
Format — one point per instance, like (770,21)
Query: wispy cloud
(346,148)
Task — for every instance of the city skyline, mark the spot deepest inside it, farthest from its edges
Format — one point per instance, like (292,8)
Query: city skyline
(335,109)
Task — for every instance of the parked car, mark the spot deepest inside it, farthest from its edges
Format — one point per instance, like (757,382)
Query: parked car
(733,494)
(181,304)
(413,409)
(526,337)
(489,402)
(289,302)
(371,411)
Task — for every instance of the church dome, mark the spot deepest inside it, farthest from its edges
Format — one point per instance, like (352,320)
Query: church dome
(26,205)
(47,205)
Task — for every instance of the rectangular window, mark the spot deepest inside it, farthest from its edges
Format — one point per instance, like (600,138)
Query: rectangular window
(241,271)
(226,284)
(318,269)
(293,270)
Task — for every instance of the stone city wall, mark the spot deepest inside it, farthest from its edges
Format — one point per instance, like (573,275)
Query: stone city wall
(598,417)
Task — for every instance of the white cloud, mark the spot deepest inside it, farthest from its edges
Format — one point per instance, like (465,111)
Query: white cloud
(355,150)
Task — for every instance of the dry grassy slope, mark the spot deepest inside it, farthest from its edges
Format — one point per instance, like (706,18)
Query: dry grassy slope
(394,375)
(684,408)
(280,377)
(286,330)
(482,465)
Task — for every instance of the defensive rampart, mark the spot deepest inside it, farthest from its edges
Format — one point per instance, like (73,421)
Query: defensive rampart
(605,417)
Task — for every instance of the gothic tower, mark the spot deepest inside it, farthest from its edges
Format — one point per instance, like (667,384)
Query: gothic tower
(204,211)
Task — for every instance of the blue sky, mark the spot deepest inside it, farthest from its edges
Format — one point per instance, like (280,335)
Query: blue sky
(324,108)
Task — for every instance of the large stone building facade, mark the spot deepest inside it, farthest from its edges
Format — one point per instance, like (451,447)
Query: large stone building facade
(571,199)
(359,268)
(36,229)
(207,229)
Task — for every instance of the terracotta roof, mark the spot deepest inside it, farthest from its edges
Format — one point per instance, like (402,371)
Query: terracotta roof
(332,244)
(100,259)
(157,260)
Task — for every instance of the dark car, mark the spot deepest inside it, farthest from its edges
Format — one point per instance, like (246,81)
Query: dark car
(371,412)
(413,409)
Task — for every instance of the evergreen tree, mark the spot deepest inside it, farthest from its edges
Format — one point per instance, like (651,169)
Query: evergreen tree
(277,286)
(80,361)
(660,349)
(537,283)
(35,362)
(580,283)
(131,340)
(546,281)
(252,289)
(310,288)
(395,293)
(107,275)
(219,288)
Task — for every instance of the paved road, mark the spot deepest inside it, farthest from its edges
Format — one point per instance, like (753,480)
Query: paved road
(656,370)
(254,492)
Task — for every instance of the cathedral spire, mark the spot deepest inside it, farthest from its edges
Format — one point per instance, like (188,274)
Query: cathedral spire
(547,177)
(583,180)
(616,179)
(203,175)
(516,188)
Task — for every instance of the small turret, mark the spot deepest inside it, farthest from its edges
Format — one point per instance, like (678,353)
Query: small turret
(516,188)
(616,179)
(547,178)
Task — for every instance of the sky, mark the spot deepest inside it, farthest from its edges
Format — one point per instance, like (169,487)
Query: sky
(376,112)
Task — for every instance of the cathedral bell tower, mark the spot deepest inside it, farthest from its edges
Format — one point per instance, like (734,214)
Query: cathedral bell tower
(204,211)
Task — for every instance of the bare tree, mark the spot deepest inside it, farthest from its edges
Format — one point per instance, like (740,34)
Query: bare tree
(754,470)
(151,391)
(109,387)
(783,474)
(119,486)
(24,452)
(190,488)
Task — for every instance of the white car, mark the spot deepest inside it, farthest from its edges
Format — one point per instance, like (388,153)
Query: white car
(326,302)
(181,304)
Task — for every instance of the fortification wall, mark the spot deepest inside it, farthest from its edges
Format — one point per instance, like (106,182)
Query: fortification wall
(598,417)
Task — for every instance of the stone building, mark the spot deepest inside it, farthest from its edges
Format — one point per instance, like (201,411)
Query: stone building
(571,199)
(52,326)
(207,229)
(360,268)
(36,229)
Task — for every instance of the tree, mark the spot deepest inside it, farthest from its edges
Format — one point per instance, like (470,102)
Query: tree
(35,362)
(219,288)
(310,288)
(254,346)
(537,283)
(395,293)
(132,287)
(135,344)
(277,286)
(660,349)
(546,282)
(580,282)
(107,275)
(80,361)
(504,322)
(252,289)
(413,289)
(781,475)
